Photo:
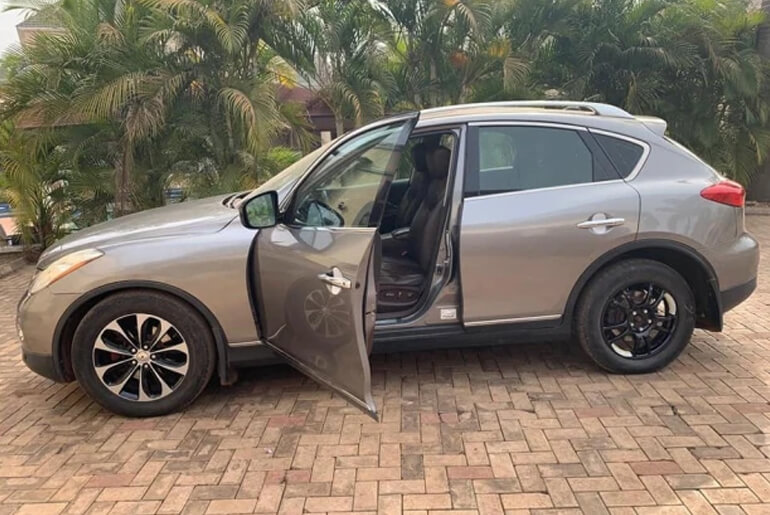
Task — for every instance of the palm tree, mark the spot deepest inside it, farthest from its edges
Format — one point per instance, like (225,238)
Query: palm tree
(443,52)
(131,68)
(692,63)
(347,69)
(95,70)
(33,184)
(719,105)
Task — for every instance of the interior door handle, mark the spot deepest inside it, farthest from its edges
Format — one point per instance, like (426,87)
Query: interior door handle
(335,281)
(604,222)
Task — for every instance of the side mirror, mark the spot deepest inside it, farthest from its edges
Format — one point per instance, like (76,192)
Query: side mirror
(260,212)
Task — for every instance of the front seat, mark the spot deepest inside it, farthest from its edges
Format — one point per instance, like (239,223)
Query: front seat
(402,277)
(415,193)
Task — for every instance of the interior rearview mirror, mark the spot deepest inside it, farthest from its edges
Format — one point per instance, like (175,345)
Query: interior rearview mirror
(261,211)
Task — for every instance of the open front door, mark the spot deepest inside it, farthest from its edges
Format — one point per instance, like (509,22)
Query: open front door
(315,273)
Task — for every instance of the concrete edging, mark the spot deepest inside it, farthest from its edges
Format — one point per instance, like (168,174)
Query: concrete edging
(758,210)
(9,268)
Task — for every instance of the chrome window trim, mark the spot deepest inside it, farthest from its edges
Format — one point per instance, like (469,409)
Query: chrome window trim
(250,343)
(645,150)
(539,318)
(332,228)
(533,190)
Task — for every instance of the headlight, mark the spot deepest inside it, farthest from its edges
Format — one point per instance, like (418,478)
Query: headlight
(62,267)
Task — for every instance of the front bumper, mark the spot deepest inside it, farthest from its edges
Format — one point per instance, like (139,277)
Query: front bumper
(38,320)
(43,364)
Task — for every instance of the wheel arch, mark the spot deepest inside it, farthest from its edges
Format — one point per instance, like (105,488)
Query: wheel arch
(69,321)
(688,262)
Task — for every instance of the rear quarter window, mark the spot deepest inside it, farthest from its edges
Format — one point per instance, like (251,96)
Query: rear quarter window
(624,154)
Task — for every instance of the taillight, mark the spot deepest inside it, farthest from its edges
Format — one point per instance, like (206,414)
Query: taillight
(726,192)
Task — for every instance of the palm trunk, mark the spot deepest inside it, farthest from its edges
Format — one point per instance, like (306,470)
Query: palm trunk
(339,125)
(763,34)
(433,77)
(123,169)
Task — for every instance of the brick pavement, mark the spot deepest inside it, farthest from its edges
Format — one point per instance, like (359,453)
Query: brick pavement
(509,429)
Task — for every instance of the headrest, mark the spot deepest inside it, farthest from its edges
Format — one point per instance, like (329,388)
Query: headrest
(438,163)
(419,156)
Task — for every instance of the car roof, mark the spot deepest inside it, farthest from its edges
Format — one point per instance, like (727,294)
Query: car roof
(582,114)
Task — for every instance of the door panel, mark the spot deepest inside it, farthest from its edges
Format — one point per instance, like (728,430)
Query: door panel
(316,326)
(522,252)
(314,272)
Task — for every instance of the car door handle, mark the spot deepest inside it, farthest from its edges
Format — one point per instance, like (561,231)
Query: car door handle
(605,222)
(335,280)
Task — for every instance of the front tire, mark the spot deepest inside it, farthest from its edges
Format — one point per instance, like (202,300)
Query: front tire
(635,317)
(142,354)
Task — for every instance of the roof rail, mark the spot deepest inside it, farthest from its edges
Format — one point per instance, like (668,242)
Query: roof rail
(594,108)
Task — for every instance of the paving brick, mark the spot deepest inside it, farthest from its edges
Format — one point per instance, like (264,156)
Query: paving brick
(176,499)
(489,504)
(327,504)
(660,490)
(655,467)
(628,498)
(759,485)
(526,501)
(402,486)
(560,492)
(472,472)
(696,503)
(228,506)
(365,497)
(590,502)
(729,495)
(42,509)
(691,481)
(625,476)
(427,501)
(269,499)
(593,484)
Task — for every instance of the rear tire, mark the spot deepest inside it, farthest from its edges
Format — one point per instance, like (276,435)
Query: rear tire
(635,317)
(157,369)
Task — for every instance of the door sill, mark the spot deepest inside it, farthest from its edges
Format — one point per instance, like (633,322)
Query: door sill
(519,320)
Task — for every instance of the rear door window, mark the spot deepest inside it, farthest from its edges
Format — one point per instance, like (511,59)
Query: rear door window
(624,154)
(519,158)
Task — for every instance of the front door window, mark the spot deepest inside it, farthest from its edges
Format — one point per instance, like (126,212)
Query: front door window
(344,188)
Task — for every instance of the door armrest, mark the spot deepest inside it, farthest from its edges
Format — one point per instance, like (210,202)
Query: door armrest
(401,233)
(395,242)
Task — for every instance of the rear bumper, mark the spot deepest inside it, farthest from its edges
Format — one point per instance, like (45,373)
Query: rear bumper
(737,294)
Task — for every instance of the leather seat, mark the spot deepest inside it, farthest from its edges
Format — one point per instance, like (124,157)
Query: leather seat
(418,187)
(400,271)
(405,275)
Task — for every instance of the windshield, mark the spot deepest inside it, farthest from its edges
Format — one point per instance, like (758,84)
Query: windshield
(283,181)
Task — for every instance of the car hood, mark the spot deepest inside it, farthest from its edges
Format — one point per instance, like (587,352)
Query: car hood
(186,218)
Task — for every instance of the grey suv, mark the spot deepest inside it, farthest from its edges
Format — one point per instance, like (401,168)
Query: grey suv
(515,219)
